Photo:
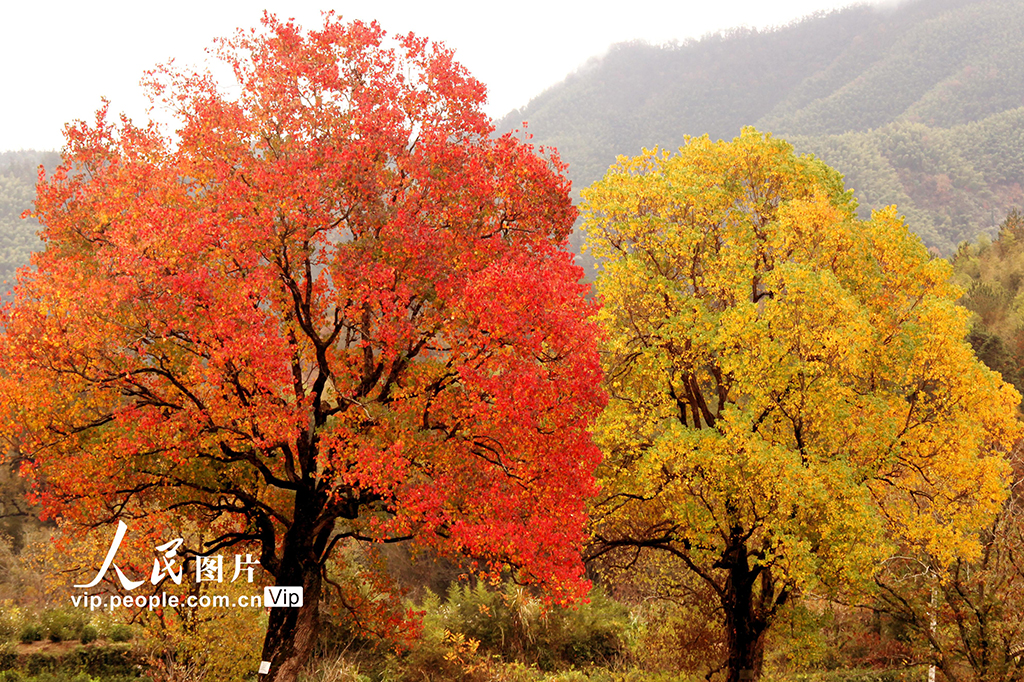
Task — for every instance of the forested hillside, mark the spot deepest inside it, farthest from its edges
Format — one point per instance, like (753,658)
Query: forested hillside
(18,173)
(921,105)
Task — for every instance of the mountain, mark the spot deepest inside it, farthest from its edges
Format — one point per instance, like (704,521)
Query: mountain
(921,105)
(18,174)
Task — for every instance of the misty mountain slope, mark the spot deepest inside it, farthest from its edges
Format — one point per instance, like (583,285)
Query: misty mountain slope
(639,94)
(950,183)
(962,65)
(918,105)
(18,238)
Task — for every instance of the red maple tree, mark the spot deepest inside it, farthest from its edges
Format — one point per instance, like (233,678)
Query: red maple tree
(330,308)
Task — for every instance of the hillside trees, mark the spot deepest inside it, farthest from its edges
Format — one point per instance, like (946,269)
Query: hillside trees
(965,617)
(17,236)
(791,398)
(331,309)
(992,275)
(919,106)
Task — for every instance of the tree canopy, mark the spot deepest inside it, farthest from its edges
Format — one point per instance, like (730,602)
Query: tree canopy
(992,275)
(330,308)
(791,395)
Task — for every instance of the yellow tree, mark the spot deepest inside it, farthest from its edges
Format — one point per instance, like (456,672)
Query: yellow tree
(791,396)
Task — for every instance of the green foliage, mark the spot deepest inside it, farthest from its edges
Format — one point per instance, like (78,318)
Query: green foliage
(61,625)
(992,276)
(84,677)
(62,677)
(31,632)
(120,632)
(514,624)
(113,663)
(863,675)
(39,662)
(475,629)
(113,660)
(9,622)
(950,183)
(89,634)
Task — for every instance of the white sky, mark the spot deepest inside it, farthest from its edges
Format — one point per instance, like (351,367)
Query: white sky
(59,58)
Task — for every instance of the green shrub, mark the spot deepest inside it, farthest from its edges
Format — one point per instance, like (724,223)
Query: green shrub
(105,662)
(31,632)
(120,632)
(8,622)
(335,668)
(83,677)
(8,657)
(38,663)
(512,622)
(89,634)
(11,676)
(477,631)
(864,675)
(63,625)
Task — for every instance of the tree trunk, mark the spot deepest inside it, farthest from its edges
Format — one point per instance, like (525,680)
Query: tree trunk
(745,627)
(746,649)
(292,631)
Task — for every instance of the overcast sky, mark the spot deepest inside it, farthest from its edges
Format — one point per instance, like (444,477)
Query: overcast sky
(60,58)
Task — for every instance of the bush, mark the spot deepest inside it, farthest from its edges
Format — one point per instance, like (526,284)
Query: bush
(89,634)
(63,625)
(514,623)
(105,662)
(39,663)
(111,663)
(8,621)
(83,677)
(332,669)
(477,631)
(31,632)
(58,676)
(120,632)
(864,675)
(8,657)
